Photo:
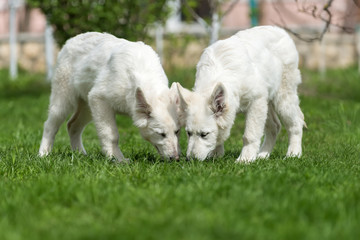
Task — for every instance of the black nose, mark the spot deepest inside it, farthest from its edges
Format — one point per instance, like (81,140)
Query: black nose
(175,158)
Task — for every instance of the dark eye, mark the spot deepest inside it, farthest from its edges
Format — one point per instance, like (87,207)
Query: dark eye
(177,132)
(189,133)
(162,134)
(204,134)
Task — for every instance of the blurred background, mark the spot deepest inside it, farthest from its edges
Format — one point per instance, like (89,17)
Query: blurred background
(326,32)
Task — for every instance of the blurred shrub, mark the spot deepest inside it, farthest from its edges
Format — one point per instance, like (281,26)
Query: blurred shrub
(128,19)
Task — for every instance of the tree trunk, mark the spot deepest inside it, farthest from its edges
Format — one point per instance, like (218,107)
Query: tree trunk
(215,27)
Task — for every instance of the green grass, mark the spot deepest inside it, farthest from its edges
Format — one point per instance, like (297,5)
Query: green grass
(71,196)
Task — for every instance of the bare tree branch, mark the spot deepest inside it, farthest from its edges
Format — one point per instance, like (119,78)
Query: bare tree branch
(324,14)
(214,26)
(284,26)
(328,21)
(230,8)
(312,10)
(357,3)
(199,19)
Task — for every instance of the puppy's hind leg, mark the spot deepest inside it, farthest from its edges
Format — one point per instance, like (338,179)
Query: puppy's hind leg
(76,125)
(287,106)
(272,129)
(60,107)
(61,104)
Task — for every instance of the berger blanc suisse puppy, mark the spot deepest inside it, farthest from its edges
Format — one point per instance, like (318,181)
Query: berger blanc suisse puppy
(255,71)
(98,75)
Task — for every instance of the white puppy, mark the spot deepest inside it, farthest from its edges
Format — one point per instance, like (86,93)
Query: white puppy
(255,71)
(99,75)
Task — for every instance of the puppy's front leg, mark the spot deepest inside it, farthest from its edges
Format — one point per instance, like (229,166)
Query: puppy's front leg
(105,123)
(219,151)
(254,129)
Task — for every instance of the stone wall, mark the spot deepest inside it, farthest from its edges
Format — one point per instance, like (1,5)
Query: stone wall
(30,52)
(335,51)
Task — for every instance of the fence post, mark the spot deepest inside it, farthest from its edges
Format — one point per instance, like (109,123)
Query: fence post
(322,59)
(159,40)
(49,50)
(215,27)
(12,39)
(357,40)
(173,22)
(254,12)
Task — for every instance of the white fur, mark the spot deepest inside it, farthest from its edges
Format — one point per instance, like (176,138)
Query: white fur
(99,75)
(255,71)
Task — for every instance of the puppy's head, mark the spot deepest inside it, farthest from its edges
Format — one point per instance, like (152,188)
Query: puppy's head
(157,119)
(205,120)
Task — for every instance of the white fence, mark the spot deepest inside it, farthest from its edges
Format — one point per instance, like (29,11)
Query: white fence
(12,6)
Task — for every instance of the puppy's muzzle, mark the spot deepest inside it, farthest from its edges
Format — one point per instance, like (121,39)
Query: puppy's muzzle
(175,157)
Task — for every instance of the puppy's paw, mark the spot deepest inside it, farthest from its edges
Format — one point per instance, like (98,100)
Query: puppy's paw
(293,155)
(120,160)
(294,152)
(263,155)
(245,159)
(43,153)
(247,155)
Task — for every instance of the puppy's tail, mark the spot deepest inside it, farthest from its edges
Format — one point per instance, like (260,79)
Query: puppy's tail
(303,118)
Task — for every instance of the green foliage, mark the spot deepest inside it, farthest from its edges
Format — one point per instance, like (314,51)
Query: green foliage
(128,19)
(202,8)
(70,196)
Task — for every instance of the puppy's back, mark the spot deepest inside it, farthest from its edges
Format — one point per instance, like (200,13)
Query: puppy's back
(80,45)
(275,39)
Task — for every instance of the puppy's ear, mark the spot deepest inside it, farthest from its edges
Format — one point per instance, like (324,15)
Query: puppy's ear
(142,109)
(184,96)
(174,94)
(184,101)
(218,103)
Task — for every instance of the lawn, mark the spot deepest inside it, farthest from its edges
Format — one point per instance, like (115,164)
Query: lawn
(71,196)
